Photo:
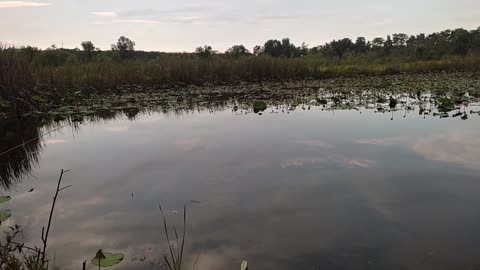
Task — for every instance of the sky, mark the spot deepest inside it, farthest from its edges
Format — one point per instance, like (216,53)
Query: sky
(183,25)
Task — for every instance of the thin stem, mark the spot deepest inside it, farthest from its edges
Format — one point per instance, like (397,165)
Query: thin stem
(45,237)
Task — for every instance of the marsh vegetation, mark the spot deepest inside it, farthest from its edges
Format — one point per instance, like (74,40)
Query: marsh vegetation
(30,77)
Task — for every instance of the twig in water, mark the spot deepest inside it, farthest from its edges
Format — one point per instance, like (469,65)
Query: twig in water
(45,233)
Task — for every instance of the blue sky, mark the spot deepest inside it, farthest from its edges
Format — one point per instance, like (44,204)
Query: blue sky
(183,25)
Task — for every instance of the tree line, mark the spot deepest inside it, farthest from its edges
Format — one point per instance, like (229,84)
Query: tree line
(399,45)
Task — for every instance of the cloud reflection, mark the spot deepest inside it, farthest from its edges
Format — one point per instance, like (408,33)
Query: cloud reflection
(459,147)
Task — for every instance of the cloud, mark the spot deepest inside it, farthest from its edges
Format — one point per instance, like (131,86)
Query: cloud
(140,21)
(154,12)
(456,147)
(325,162)
(105,13)
(460,147)
(14,4)
(388,141)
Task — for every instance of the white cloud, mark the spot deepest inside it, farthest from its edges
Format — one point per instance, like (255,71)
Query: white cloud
(105,13)
(460,147)
(141,21)
(14,4)
(323,162)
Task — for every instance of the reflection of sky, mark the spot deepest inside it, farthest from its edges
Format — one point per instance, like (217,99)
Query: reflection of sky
(309,189)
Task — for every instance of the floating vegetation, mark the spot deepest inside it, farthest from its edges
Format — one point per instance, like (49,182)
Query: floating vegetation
(107,259)
(4,199)
(5,214)
(259,106)
(445,104)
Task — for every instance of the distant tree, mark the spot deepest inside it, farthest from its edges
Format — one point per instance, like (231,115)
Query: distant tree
(205,51)
(88,49)
(378,42)
(340,47)
(460,41)
(388,45)
(360,46)
(400,40)
(237,51)
(124,46)
(257,50)
(273,48)
(285,48)
(303,49)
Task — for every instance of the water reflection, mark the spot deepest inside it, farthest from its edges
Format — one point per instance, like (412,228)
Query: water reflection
(326,187)
(20,143)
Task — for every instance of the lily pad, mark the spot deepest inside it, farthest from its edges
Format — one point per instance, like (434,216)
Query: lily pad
(107,259)
(5,214)
(259,106)
(4,199)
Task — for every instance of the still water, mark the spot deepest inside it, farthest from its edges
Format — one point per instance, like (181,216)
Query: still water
(310,189)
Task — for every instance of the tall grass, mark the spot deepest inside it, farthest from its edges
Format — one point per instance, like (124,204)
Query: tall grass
(21,79)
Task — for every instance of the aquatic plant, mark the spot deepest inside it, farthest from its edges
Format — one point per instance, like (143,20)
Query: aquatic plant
(5,214)
(174,262)
(30,258)
(4,199)
(445,104)
(259,106)
(106,259)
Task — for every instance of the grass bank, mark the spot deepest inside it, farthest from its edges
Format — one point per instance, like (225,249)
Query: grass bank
(26,86)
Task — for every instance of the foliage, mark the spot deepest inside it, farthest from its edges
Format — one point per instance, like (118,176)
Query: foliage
(445,104)
(124,46)
(174,262)
(5,214)
(259,106)
(4,199)
(237,51)
(107,259)
(88,49)
(56,74)
(205,51)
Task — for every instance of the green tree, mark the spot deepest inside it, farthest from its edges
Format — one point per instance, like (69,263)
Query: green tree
(378,42)
(257,50)
(237,51)
(88,49)
(388,45)
(460,41)
(273,48)
(360,46)
(124,46)
(400,40)
(205,51)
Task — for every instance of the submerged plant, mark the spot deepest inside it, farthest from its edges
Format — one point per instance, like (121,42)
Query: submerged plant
(176,250)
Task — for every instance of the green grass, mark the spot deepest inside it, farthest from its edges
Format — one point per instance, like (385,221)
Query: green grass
(29,86)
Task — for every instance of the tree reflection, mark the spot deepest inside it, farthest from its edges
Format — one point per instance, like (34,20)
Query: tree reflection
(20,142)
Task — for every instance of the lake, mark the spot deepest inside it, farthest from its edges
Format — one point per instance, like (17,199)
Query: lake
(309,188)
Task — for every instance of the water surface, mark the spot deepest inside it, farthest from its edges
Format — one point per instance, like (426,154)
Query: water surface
(310,189)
